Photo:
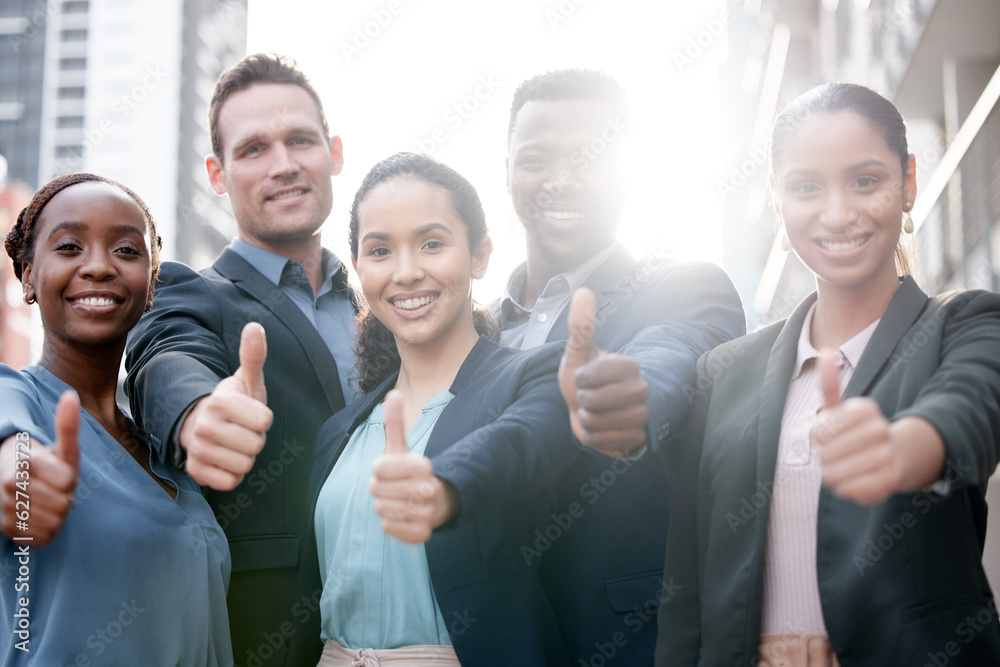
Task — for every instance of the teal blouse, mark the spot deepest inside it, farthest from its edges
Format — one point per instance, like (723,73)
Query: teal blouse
(377,590)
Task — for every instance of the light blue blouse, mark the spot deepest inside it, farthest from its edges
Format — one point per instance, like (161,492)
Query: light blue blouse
(134,577)
(377,590)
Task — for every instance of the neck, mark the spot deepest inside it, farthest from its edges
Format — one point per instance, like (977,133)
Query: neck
(842,313)
(308,253)
(429,368)
(92,372)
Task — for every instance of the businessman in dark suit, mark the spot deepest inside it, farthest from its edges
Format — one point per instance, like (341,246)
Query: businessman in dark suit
(653,319)
(274,156)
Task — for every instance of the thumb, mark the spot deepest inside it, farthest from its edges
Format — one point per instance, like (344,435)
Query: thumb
(395,436)
(580,346)
(67,424)
(829,378)
(253,354)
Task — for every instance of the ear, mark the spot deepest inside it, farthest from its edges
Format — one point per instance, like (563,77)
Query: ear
(337,153)
(507,172)
(216,174)
(354,263)
(910,182)
(29,289)
(481,257)
(773,188)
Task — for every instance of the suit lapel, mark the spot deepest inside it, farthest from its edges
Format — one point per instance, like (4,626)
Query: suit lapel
(774,391)
(615,271)
(904,309)
(233,267)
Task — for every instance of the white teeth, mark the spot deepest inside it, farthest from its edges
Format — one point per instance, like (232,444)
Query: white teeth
(412,304)
(847,245)
(564,215)
(96,301)
(287,195)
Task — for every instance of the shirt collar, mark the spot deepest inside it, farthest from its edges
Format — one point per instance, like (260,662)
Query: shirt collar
(851,350)
(575,278)
(272,265)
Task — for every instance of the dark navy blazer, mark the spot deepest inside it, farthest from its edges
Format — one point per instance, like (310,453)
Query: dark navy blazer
(500,442)
(604,573)
(177,354)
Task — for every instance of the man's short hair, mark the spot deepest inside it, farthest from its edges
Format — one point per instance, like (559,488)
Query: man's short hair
(569,84)
(258,68)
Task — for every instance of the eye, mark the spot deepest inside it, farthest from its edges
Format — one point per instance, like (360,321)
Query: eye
(301,141)
(378,251)
(128,250)
(432,244)
(251,150)
(805,188)
(68,246)
(865,182)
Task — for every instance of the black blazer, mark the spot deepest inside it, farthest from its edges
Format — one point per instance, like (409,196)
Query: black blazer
(502,438)
(604,574)
(900,583)
(177,354)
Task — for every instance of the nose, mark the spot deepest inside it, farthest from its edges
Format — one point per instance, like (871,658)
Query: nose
(282,162)
(838,212)
(407,269)
(97,265)
(564,177)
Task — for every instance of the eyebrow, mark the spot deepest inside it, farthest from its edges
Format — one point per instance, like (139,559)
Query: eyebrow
(258,137)
(419,231)
(74,225)
(854,167)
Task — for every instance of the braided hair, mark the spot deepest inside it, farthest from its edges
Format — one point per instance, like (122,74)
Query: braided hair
(20,240)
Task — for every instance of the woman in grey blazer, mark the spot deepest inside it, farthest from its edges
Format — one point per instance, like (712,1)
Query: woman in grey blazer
(830,506)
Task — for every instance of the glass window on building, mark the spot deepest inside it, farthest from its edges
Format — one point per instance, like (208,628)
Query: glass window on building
(73,35)
(71,93)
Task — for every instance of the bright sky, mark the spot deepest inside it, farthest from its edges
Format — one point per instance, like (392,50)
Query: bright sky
(437,76)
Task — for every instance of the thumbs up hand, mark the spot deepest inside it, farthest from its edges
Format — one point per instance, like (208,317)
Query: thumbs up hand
(226,430)
(605,393)
(37,482)
(866,458)
(411,500)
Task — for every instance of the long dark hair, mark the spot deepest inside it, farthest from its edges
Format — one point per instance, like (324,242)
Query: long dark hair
(378,357)
(831,98)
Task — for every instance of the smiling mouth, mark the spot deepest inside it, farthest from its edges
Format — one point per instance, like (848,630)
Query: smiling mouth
(413,304)
(97,301)
(288,195)
(844,245)
(563,216)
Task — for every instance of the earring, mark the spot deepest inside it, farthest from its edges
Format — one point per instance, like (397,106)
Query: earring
(786,245)
(28,298)
(149,306)
(907,219)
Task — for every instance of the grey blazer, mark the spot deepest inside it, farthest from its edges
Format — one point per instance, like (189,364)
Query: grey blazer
(900,583)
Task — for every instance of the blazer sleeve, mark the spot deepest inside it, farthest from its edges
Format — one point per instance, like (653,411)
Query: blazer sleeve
(524,446)
(690,310)
(962,398)
(176,354)
(678,639)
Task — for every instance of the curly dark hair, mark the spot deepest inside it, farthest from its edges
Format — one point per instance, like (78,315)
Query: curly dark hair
(378,357)
(257,68)
(569,84)
(20,240)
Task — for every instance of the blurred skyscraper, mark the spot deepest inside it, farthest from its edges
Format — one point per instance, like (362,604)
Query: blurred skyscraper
(121,88)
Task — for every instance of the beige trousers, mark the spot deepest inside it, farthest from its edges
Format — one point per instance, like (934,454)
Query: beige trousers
(335,655)
(796,650)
